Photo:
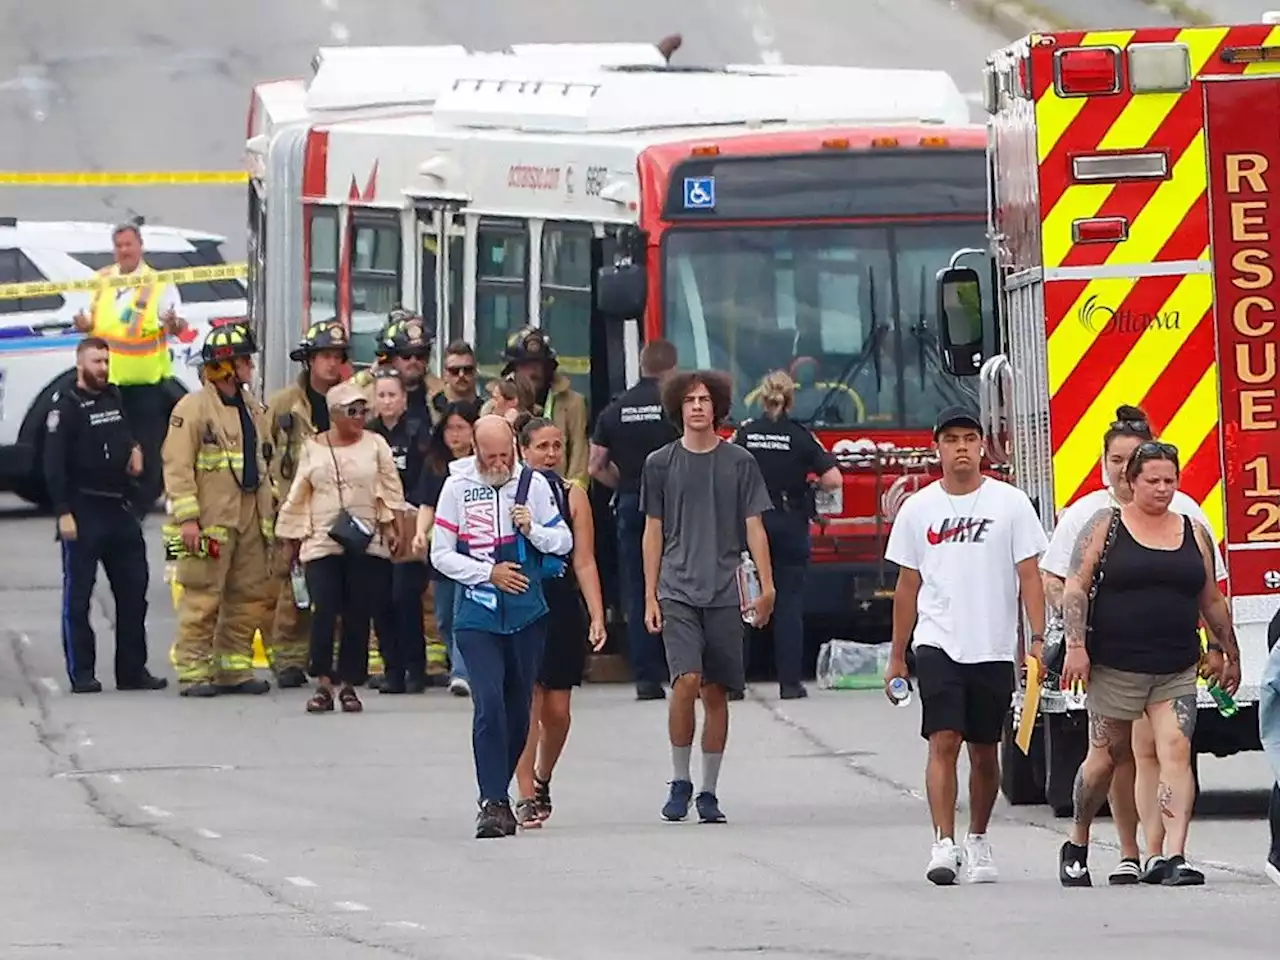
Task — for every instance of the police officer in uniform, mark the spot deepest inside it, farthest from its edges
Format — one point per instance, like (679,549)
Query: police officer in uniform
(91,464)
(295,413)
(788,454)
(627,431)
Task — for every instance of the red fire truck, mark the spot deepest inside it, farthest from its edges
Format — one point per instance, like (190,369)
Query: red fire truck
(759,217)
(1132,254)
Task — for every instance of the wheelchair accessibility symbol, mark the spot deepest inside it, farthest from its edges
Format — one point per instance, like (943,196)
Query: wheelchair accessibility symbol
(699,193)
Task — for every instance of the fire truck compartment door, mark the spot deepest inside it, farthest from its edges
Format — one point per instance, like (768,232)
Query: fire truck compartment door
(1243,145)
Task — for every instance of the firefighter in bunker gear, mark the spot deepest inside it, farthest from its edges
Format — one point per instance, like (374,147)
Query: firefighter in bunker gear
(220,520)
(529,351)
(295,413)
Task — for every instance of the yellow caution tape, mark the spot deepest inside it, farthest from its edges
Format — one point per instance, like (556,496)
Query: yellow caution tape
(121,178)
(43,288)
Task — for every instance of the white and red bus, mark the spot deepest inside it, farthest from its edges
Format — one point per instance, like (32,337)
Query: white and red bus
(757,217)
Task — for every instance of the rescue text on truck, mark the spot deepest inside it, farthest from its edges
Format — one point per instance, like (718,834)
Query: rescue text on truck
(815,251)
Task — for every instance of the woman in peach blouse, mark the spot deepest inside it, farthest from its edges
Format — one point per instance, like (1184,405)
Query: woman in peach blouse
(346,483)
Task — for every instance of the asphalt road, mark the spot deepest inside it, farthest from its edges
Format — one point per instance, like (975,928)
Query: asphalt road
(142,826)
(142,85)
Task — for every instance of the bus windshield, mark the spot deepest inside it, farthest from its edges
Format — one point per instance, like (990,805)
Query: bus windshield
(849,311)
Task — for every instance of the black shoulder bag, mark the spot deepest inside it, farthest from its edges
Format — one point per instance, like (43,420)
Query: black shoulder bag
(350,532)
(1055,651)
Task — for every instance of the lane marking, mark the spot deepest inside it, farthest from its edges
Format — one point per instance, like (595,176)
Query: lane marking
(86,741)
(762,32)
(255,858)
(50,684)
(208,834)
(405,925)
(339,32)
(115,778)
(26,640)
(300,881)
(330,5)
(350,906)
(154,811)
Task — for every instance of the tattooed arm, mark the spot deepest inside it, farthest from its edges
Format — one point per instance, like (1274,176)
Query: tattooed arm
(1053,587)
(1075,591)
(1213,605)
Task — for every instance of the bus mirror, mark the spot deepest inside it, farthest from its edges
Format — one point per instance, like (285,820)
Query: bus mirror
(960,321)
(621,291)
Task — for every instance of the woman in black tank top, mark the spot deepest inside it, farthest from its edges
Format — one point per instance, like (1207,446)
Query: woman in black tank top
(570,628)
(1140,580)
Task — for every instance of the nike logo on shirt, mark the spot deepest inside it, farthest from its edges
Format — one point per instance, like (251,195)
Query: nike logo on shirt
(960,530)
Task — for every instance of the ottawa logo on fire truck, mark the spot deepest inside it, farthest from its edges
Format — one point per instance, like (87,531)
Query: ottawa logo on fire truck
(1100,319)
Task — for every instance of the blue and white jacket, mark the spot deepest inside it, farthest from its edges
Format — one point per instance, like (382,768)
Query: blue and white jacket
(473,532)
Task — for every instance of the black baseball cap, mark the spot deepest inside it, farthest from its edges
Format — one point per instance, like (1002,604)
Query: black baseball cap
(954,417)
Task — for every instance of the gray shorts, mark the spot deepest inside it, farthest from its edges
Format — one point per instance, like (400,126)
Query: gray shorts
(705,640)
(1121,695)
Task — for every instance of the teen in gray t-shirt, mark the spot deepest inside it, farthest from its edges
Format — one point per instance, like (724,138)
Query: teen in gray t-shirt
(703,500)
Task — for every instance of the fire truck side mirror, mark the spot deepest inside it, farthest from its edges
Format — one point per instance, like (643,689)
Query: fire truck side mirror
(621,291)
(960,320)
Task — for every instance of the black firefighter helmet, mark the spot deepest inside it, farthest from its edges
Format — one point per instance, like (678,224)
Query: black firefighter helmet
(227,341)
(526,345)
(405,334)
(322,335)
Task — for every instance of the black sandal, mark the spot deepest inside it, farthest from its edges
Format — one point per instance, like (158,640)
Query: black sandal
(1178,873)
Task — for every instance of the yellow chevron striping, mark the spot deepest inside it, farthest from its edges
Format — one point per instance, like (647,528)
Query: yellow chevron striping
(1254,69)
(1076,203)
(1146,361)
(1196,417)
(1151,230)
(1054,114)
(1213,508)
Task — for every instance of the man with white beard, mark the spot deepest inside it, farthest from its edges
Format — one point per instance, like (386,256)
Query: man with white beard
(498,533)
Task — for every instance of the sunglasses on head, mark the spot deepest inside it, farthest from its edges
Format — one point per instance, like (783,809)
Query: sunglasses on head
(1131,426)
(1155,448)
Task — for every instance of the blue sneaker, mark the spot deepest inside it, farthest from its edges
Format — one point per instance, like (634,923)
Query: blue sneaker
(677,805)
(709,808)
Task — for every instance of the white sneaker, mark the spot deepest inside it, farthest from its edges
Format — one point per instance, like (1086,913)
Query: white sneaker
(980,865)
(944,862)
(459,687)
(1273,871)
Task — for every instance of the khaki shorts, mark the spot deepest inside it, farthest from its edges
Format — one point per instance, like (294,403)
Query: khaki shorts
(1121,695)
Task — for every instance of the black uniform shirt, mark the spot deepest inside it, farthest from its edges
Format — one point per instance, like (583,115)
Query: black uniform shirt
(631,428)
(87,447)
(417,403)
(787,453)
(319,409)
(249,479)
(405,441)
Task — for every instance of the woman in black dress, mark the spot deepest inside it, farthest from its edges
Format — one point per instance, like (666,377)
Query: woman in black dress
(570,628)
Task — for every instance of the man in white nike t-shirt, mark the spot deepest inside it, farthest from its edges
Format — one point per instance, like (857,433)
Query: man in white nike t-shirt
(966,546)
(1134,786)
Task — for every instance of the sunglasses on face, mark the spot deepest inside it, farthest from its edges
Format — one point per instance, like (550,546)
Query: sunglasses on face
(354,410)
(461,371)
(412,355)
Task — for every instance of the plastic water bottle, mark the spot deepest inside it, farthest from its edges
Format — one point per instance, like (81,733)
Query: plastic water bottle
(900,690)
(301,595)
(1227,705)
(748,587)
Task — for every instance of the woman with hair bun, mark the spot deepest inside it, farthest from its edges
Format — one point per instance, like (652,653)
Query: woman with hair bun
(788,454)
(1139,772)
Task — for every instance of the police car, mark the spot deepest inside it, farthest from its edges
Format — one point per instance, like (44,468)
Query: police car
(37,333)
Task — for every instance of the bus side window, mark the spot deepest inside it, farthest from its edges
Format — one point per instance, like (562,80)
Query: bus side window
(502,289)
(566,298)
(323,279)
(375,277)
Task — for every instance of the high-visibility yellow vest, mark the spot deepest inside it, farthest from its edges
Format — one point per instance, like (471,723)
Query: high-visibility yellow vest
(136,336)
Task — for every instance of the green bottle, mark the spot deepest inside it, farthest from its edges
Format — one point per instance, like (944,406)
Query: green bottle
(1226,703)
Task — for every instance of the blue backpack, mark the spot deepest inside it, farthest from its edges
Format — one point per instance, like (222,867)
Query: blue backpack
(535,564)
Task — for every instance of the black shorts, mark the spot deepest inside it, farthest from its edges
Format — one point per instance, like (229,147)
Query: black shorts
(971,699)
(564,658)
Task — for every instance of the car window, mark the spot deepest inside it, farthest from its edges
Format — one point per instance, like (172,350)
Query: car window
(204,255)
(16,267)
